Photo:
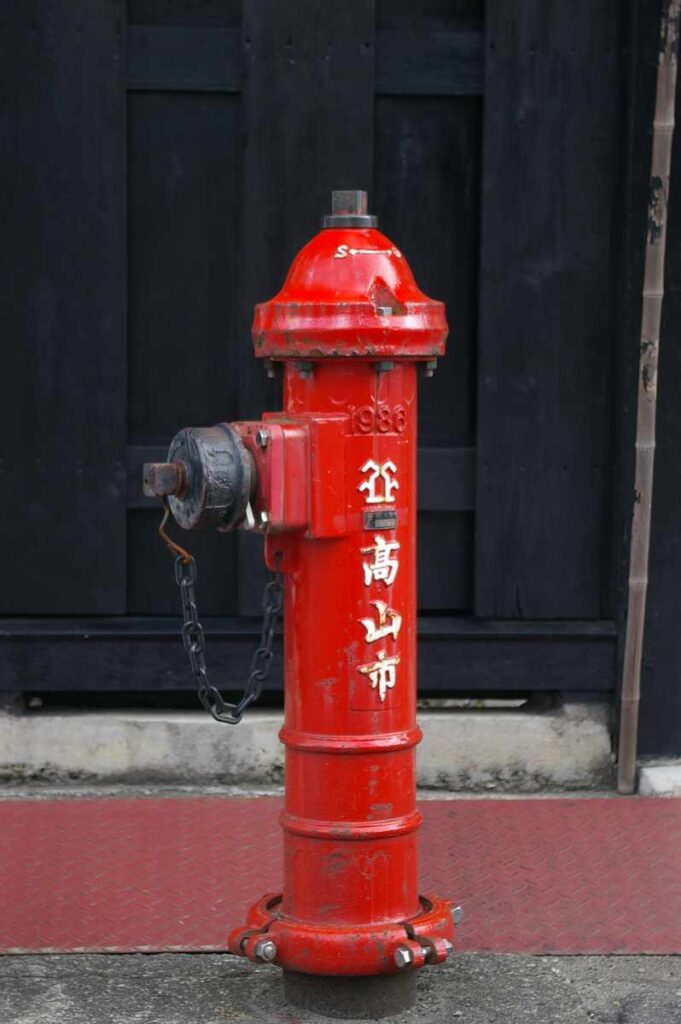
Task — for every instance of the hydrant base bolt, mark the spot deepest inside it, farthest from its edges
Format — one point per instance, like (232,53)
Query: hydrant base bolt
(429,368)
(265,950)
(403,957)
(262,438)
(457,915)
(264,519)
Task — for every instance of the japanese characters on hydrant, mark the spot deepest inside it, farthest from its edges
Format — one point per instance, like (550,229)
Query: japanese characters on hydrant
(381,566)
(331,483)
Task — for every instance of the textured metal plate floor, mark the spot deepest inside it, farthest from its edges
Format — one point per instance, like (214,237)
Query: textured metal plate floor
(534,876)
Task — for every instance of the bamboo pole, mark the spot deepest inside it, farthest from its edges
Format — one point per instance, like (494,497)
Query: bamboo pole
(653,292)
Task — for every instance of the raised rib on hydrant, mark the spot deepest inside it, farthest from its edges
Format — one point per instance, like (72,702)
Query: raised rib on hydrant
(331,483)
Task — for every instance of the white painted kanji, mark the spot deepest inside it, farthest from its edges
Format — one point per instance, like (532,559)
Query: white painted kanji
(389,623)
(382,673)
(380,483)
(384,564)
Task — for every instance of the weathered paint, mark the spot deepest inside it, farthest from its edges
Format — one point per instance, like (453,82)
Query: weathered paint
(330,307)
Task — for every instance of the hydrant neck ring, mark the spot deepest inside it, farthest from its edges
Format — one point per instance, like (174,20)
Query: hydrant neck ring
(349,220)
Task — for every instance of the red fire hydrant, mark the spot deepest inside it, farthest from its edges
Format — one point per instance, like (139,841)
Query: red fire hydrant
(331,482)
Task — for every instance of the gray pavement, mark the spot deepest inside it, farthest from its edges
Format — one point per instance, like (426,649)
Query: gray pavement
(178,988)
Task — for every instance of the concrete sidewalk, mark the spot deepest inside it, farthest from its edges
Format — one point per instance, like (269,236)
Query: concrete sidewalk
(215,989)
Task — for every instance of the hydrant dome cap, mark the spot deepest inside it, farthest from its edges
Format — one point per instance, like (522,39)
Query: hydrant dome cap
(350,292)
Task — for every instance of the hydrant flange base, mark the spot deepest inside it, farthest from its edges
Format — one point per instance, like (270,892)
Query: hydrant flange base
(312,948)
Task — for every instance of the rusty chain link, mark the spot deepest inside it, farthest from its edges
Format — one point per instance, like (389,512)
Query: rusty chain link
(194,640)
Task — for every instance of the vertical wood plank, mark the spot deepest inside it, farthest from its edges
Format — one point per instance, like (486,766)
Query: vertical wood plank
(428,152)
(308,99)
(184,185)
(428,156)
(553,125)
(63,284)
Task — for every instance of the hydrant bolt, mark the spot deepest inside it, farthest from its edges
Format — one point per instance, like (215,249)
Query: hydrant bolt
(262,438)
(403,957)
(265,950)
(305,369)
(457,915)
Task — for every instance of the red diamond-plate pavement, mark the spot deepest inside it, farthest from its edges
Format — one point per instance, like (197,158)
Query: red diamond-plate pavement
(534,876)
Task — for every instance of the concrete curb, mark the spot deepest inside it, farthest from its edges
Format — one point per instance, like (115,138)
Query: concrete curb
(469,751)
(660,780)
(516,751)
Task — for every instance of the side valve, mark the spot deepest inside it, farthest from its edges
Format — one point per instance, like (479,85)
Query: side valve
(208,480)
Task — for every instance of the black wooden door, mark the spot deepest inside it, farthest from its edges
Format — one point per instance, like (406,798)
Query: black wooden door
(173,157)
(236,135)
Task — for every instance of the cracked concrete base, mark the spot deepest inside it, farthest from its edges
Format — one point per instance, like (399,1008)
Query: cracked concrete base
(491,750)
(214,989)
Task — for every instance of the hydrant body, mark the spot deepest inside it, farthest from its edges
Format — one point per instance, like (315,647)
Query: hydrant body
(336,498)
(350,326)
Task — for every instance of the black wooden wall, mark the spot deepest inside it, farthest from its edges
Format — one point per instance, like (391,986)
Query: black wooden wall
(166,161)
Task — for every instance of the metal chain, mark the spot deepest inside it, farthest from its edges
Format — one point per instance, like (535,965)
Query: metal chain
(194,640)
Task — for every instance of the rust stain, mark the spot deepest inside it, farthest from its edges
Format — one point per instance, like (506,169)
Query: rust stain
(341,832)
(336,863)
(379,811)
